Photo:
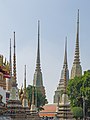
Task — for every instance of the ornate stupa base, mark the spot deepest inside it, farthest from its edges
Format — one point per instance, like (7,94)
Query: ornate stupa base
(15,110)
(33,114)
(64,110)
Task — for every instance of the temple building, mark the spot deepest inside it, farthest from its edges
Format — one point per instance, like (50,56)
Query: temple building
(4,71)
(49,111)
(38,80)
(4,76)
(60,88)
(76,68)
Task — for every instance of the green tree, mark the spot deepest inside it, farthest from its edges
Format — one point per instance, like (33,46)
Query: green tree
(74,92)
(77,112)
(41,99)
(78,88)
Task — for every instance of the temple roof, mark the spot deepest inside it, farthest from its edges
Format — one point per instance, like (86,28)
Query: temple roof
(49,110)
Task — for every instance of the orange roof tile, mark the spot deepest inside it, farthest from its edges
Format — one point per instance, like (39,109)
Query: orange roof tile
(49,110)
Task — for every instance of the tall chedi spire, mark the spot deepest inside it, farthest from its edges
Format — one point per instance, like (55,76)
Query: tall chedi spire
(37,80)
(14,104)
(14,61)
(65,65)
(61,87)
(76,68)
(14,89)
(76,57)
(38,50)
(65,55)
(25,101)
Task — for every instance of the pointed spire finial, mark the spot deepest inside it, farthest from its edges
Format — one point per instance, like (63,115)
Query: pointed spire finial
(76,57)
(14,42)
(25,79)
(65,55)
(78,25)
(38,48)
(14,60)
(10,60)
(38,31)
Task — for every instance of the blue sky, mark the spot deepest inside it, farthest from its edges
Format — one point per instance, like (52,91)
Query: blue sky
(57,19)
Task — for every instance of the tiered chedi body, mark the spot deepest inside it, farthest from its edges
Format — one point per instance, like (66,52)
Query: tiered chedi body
(64,110)
(76,68)
(14,106)
(37,80)
(60,88)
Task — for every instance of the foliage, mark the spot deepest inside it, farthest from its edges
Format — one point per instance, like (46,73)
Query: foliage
(78,88)
(73,90)
(77,112)
(39,98)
